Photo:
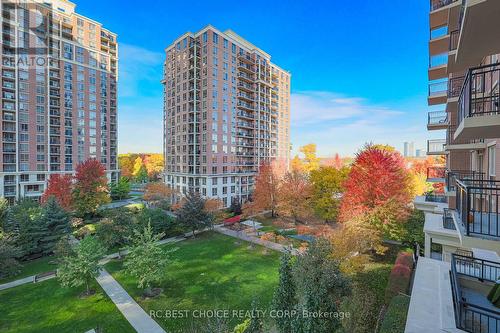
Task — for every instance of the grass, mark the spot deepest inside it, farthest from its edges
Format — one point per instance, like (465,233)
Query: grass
(212,271)
(47,307)
(32,267)
(395,317)
(135,206)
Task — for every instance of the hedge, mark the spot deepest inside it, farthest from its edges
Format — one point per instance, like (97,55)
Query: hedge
(399,279)
(395,317)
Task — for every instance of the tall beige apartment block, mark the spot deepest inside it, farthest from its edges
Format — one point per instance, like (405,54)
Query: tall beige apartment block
(462,224)
(58,85)
(226,111)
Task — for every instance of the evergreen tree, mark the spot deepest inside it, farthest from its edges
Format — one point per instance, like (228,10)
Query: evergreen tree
(24,223)
(4,209)
(193,214)
(120,190)
(9,253)
(235,207)
(284,298)
(56,224)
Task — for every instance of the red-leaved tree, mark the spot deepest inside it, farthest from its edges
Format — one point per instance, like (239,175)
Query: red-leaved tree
(91,187)
(378,188)
(265,194)
(60,187)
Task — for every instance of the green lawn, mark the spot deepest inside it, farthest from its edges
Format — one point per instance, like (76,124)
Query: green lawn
(395,317)
(212,271)
(42,265)
(47,307)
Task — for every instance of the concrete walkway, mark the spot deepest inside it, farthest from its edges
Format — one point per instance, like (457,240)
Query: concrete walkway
(12,284)
(243,236)
(135,315)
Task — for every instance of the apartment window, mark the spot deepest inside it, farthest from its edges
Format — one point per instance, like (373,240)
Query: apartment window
(491,161)
(24,178)
(215,38)
(214,191)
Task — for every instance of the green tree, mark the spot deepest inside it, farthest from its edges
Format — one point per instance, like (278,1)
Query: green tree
(327,188)
(24,223)
(120,190)
(193,214)
(82,266)
(56,224)
(146,260)
(414,229)
(9,253)
(160,221)
(4,210)
(284,298)
(321,287)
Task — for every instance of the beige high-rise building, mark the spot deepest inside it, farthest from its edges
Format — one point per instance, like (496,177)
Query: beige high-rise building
(462,224)
(58,83)
(226,111)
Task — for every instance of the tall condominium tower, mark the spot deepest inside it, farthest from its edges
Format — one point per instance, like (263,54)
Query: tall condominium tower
(226,111)
(58,82)
(462,216)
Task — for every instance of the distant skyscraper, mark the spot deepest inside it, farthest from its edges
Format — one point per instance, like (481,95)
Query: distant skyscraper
(409,149)
(419,153)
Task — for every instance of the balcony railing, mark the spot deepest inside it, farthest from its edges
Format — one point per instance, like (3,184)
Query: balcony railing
(452,176)
(436,147)
(480,94)
(454,37)
(448,220)
(436,172)
(436,4)
(455,85)
(478,207)
(437,88)
(437,118)
(469,316)
(435,197)
(450,140)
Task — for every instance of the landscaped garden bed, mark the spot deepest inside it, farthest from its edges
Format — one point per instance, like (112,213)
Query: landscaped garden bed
(209,272)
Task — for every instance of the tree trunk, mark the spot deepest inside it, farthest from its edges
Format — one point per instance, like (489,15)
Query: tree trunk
(87,285)
(194,235)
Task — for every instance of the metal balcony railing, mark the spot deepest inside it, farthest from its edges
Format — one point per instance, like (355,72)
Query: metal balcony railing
(454,37)
(455,85)
(469,316)
(436,172)
(437,118)
(439,87)
(480,94)
(450,140)
(435,197)
(465,175)
(448,220)
(436,4)
(478,207)
(436,146)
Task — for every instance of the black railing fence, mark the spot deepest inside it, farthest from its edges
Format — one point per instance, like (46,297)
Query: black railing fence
(437,118)
(478,206)
(480,93)
(452,175)
(469,316)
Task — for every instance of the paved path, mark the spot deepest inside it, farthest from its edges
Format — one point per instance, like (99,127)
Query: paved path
(29,279)
(243,236)
(135,315)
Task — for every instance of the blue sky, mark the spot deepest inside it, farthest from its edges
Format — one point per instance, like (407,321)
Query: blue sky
(359,68)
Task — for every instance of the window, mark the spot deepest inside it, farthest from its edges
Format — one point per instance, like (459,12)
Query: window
(491,160)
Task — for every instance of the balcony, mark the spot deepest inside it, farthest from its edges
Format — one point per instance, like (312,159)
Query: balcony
(438,92)
(471,279)
(454,144)
(435,197)
(478,207)
(437,120)
(436,174)
(451,177)
(448,220)
(479,27)
(438,4)
(436,147)
(479,104)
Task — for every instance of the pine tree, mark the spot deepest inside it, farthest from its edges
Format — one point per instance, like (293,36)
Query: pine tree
(193,214)
(284,298)
(56,224)
(24,223)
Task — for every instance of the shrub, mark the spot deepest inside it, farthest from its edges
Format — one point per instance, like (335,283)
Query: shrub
(395,317)
(399,279)
(88,229)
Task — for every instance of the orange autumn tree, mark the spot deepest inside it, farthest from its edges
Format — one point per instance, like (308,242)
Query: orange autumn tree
(265,194)
(91,187)
(154,165)
(294,193)
(59,187)
(156,192)
(378,190)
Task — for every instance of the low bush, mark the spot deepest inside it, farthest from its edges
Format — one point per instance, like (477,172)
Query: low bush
(399,279)
(395,316)
(88,229)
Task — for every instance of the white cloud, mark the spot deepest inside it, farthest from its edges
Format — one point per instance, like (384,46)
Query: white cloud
(343,124)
